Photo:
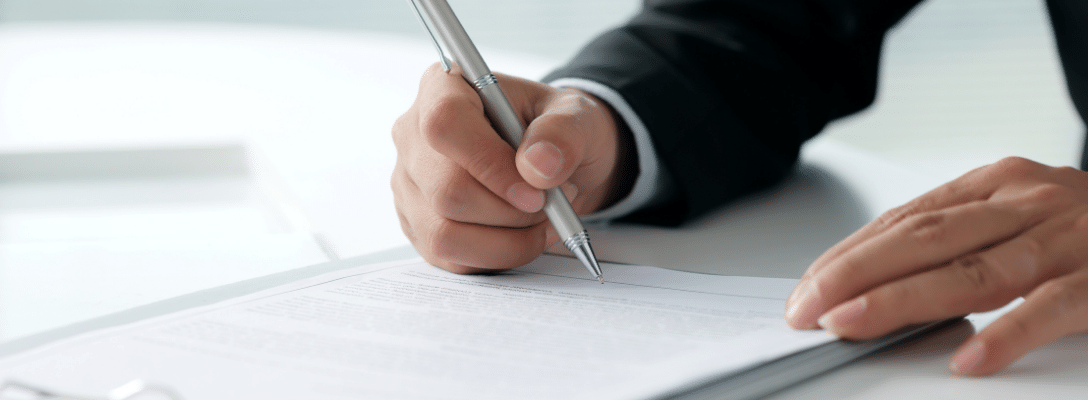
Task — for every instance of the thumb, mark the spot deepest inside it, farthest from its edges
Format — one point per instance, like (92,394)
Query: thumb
(554,144)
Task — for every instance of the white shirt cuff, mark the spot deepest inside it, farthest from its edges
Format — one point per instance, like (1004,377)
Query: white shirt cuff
(650,186)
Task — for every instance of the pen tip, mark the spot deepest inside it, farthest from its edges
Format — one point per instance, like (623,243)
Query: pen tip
(600,278)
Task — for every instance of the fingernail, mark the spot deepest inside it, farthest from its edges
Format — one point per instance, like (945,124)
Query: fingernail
(569,190)
(545,159)
(805,308)
(525,198)
(842,316)
(967,360)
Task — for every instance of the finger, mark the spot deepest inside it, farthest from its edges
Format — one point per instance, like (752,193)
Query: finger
(1055,309)
(576,139)
(452,121)
(456,245)
(922,241)
(976,185)
(407,199)
(402,186)
(464,247)
(959,191)
(554,142)
(448,188)
(978,282)
(454,194)
(964,189)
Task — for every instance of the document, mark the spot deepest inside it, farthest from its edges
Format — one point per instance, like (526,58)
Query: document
(49,284)
(408,330)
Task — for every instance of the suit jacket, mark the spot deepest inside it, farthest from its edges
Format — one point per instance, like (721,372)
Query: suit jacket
(730,89)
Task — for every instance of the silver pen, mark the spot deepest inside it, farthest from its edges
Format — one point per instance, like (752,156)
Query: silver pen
(443,26)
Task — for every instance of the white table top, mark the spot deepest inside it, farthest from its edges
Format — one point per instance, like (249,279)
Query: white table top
(319,106)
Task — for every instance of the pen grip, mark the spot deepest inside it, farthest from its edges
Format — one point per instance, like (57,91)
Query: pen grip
(505,120)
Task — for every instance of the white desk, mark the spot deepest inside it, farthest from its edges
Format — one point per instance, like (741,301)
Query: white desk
(319,106)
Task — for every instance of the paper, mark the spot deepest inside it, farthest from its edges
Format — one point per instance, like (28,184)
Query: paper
(49,284)
(410,330)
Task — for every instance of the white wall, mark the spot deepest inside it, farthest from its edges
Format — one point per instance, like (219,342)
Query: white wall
(965,82)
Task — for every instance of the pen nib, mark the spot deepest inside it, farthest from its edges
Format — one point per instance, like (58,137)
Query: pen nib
(579,245)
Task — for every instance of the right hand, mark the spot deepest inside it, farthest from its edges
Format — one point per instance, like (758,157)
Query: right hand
(468,202)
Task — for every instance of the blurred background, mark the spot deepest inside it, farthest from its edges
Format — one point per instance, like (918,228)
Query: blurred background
(965,82)
(152,148)
(551,28)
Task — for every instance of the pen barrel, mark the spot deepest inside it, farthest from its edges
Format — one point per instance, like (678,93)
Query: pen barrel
(453,36)
(501,114)
(562,215)
(504,119)
(509,126)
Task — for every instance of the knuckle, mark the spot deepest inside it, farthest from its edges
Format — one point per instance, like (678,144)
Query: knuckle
(898,214)
(431,70)
(399,128)
(395,178)
(451,198)
(980,275)
(575,101)
(440,241)
(562,115)
(433,73)
(1066,170)
(891,217)
(440,118)
(1065,299)
(927,228)
(1016,167)
(974,272)
(487,166)
(1048,193)
(406,226)
(396,186)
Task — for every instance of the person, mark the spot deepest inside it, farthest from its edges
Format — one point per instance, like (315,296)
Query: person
(693,103)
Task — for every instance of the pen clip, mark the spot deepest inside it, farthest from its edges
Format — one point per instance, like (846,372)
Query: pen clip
(446,65)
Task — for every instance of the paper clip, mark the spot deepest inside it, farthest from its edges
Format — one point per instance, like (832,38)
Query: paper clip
(135,390)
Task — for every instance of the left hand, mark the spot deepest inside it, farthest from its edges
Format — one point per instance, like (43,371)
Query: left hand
(1014,228)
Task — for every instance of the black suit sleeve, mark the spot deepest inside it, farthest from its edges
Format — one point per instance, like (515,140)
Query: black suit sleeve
(1071,34)
(730,89)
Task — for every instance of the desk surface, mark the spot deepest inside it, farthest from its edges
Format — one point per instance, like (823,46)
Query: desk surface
(319,105)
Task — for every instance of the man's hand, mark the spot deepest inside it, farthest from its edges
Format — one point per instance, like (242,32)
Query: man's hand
(467,201)
(1014,228)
